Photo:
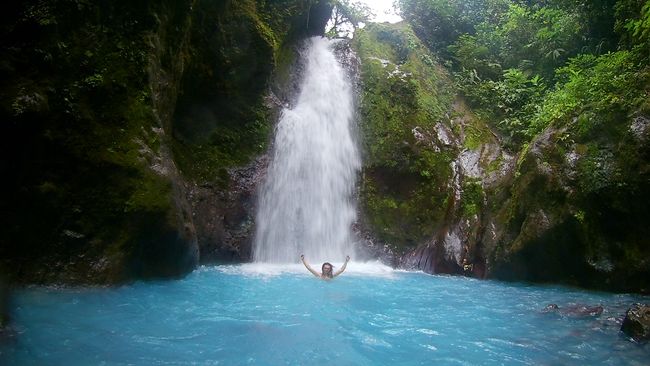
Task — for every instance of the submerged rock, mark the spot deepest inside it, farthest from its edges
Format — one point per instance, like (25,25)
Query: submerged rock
(576,311)
(637,322)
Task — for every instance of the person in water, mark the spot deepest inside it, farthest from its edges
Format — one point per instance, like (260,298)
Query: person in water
(326,269)
(467,267)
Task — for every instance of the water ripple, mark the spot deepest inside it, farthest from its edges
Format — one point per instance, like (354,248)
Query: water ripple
(235,315)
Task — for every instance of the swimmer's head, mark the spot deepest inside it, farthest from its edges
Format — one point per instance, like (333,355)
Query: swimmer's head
(327,269)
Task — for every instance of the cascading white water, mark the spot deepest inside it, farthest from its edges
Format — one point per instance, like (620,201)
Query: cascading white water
(306,203)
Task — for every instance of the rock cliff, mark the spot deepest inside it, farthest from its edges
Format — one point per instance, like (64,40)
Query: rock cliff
(133,132)
(441,193)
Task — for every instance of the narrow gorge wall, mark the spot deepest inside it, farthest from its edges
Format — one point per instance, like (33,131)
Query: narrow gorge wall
(133,132)
(428,160)
(576,208)
(91,193)
(438,188)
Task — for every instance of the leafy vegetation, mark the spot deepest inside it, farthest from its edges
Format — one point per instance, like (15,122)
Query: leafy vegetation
(525,65)
(472,197)
(595,88)
(346,18)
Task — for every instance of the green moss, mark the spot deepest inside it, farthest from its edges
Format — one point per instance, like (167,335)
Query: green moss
(494,165)
(248,8)
(472,197)
(221,120)
(152,193)
(404,183)
(227,146)
(394,63)
(523,155)
(369,46)
(402,209)
(476,134)
(285,59)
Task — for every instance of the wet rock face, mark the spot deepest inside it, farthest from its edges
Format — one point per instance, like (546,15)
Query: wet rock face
(224,219)
(94,194)
(319,15)
(224,79)
(369,247)
(637,322)
(223,210)
(349,59)
(125,124)
(572,211)
(4,306)
(429,163)
(457,246)
(571,207)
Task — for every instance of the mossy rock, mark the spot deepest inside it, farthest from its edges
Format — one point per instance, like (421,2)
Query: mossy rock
(402,191)
(92,189)
(96,130)
(221,119)
(576,212)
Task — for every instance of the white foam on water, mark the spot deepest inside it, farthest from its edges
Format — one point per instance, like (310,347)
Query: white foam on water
(360,269)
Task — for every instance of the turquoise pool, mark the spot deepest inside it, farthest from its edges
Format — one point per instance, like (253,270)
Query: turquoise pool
(274,315)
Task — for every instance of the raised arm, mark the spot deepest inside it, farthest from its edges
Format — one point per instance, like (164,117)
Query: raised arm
(347,259)
(302,257)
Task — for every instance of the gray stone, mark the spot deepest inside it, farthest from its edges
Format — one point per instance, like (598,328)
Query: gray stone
(637,322)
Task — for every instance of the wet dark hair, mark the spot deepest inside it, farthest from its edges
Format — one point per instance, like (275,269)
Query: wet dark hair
(327,274)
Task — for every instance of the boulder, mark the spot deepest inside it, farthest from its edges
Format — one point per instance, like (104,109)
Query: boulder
(637,322)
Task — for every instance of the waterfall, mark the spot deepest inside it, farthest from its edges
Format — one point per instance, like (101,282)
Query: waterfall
(306,202)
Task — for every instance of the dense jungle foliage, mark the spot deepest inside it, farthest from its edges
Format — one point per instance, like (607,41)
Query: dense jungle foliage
(527,64)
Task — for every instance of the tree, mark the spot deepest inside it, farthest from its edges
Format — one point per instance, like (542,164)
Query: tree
(639,28)
(347,16)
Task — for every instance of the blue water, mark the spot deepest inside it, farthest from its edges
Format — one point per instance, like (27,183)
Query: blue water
(248,315)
